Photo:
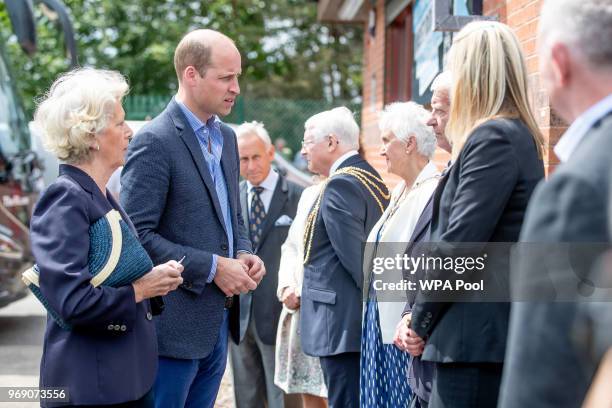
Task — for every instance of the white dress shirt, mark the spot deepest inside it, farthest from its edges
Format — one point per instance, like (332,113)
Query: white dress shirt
(583,123)
(341,160)
(269,184)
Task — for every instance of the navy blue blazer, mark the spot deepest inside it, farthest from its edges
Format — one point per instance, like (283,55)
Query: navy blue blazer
(96,362)
(331,308)
(168,192)
(483,199)
(262,303)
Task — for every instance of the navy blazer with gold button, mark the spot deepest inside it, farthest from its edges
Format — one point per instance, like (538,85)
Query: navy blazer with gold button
(110,355)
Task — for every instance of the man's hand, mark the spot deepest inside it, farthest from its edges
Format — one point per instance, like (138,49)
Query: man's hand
(232,276)
(406,339)
(290,298)
(256,268)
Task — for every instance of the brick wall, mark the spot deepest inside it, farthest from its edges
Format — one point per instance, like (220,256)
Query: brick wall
(373,93)
(522,16)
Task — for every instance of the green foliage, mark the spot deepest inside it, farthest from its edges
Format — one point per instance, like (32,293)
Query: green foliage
(282,117)
(286,52)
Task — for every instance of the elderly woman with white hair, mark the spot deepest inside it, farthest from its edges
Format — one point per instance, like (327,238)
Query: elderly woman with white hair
(408,144)
(92,274)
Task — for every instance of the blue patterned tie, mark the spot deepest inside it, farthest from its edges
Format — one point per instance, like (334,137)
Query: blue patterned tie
(256,216)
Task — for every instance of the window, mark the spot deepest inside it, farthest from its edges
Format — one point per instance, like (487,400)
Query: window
(398,58)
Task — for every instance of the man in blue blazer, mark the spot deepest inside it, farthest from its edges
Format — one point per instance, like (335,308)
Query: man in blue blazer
(350,203)
(180,188)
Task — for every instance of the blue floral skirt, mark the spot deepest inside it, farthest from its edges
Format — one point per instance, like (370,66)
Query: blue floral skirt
(384,367)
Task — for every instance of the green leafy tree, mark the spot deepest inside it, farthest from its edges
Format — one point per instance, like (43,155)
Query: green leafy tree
(286,52)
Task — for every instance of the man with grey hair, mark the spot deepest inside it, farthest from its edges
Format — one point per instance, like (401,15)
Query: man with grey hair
(351,201)
(180,188)
(270,201)
(440,108)
(544,366)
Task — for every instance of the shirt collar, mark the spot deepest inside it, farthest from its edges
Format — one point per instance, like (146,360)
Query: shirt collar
(269,182)
(430,170)
(575,133)
(341,160)
(195,122)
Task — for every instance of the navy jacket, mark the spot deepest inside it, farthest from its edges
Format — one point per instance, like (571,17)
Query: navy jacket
(546,366)
(484,199)
(110,356)
(331,308)
(168,192)
(262,303)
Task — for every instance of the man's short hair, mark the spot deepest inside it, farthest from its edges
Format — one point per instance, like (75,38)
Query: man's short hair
(443,82)
(191,51)
(254,128)
(584,25)
(406,119)
(339,122)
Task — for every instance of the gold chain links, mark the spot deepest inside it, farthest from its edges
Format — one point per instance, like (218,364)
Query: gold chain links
(367,179)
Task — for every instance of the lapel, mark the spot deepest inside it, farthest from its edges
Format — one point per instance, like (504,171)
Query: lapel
(279,198)
(189,138)
(436,197)
(244,203)
(125,217)
(228,165)
(423,221)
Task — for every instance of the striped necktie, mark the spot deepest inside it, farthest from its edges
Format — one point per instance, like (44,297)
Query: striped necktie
(257,214)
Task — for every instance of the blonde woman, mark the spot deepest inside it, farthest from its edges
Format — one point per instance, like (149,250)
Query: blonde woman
(496,151)
(295,372)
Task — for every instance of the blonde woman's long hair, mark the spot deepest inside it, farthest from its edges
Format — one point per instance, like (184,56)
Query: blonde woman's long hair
(489,80)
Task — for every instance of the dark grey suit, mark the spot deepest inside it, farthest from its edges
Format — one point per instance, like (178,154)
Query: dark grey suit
(331,309)
(544,368)
(484,200)
(253,359)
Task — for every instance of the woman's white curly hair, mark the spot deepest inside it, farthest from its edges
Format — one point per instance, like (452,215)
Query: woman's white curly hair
(76,108)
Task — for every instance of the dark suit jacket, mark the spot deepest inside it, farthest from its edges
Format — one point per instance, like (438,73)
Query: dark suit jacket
(168,191)
(331,309)
(96,364)
(544,368)
(262,303)
(484,200)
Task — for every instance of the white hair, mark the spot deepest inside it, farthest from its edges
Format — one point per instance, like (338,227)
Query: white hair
(339,122)
(585,26)
(78,106)
(406,119)
(254,128)
(442,83)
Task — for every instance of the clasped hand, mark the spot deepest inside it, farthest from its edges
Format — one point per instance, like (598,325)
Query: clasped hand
(236,276)
(406,339)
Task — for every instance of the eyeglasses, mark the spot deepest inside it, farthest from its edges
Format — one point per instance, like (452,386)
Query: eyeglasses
(305,143)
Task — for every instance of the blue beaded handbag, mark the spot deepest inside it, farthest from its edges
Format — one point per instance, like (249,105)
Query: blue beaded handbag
(116,258)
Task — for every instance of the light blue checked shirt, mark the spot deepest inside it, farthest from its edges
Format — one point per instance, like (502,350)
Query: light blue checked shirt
(205,132)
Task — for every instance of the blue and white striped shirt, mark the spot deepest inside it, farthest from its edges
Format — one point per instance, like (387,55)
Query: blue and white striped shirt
(210,132)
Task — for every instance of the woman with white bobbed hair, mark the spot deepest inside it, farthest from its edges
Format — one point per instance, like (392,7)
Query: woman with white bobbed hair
(408,145)
(91,273)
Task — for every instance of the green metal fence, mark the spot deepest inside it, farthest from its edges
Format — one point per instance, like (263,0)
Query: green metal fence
(283,118)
